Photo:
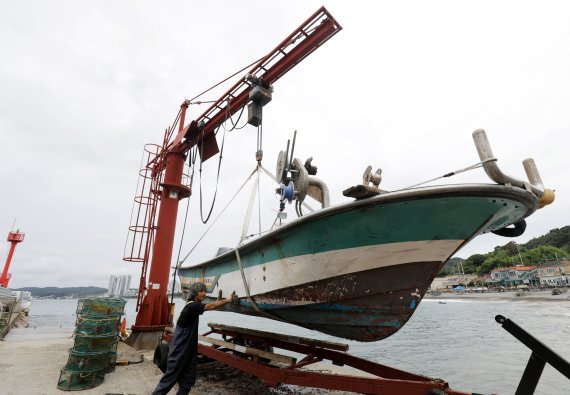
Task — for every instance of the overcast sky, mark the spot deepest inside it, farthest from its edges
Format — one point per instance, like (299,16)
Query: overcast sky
(85,85)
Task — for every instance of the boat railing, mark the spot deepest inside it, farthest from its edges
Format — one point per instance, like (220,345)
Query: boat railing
(492,169)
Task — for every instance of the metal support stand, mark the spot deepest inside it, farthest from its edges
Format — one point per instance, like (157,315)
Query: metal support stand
(540,356)
(253,352)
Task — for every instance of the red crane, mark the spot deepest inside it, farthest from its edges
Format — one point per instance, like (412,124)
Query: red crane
(163,178)
(14,238)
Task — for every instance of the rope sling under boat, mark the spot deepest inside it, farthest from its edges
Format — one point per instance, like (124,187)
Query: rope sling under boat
(243,237)
(255,191)
(257,171)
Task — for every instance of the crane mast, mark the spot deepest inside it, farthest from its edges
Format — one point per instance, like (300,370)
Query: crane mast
(152,237)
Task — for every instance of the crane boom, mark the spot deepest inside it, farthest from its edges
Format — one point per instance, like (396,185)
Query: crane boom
(314,32)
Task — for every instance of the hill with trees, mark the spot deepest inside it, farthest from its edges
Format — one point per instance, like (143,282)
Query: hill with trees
(553,246)
(56,292)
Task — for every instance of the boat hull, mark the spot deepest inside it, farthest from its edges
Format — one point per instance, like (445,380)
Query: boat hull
(359,270)
(354,308)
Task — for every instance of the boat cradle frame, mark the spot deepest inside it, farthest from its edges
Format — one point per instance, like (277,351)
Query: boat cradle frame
(251,351)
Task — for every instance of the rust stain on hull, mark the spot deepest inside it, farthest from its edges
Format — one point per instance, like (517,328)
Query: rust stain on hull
(364,306)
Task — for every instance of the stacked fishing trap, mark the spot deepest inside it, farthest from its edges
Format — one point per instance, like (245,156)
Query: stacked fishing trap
(94,352)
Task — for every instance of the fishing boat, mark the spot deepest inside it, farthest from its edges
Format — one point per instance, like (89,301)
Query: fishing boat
(359,270)
(14,307)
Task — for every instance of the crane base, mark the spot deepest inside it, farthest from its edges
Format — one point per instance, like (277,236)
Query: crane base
(144,340)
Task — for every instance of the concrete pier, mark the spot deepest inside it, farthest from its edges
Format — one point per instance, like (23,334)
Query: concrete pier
(31,360)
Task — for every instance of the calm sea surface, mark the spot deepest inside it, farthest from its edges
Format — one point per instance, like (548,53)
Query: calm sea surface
(455,340)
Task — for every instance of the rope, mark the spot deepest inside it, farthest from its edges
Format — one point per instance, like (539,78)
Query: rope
(217,178)
(259,201)
(267,172)
(224,80)
(246,287)
(171,128)
(215,219)
(246,222)
(234,125)
(472,167)
(249,210)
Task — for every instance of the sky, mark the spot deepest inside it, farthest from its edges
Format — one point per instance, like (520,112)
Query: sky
(85,85)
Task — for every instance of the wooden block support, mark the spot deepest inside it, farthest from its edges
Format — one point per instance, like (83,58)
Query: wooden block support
(285,338)
(249,350)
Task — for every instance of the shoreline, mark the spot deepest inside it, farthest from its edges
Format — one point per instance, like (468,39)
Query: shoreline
(531,296)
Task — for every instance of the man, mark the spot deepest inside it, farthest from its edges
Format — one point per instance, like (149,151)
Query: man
(181,365)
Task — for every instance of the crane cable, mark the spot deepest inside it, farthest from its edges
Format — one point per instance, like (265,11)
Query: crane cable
(189,101)
(216,219)
(193,160)
(245,227)
(234,127)
(217,178)
(247,219)
(472,167)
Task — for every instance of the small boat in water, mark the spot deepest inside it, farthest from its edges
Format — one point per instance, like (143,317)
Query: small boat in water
(359,270)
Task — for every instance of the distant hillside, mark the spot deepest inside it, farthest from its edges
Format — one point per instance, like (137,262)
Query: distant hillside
(549,247)
(63,292)
(559,238)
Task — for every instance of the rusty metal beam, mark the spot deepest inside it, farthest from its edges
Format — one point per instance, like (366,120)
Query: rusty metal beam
(337,358)
(273,376)
(255,334)
(314,32)
(381,379)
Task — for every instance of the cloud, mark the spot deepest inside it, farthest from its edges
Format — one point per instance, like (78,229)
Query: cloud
(86,85)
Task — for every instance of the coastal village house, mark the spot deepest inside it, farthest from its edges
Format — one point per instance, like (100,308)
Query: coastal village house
(549,274)
(514,275)
(450,282)
(553,274)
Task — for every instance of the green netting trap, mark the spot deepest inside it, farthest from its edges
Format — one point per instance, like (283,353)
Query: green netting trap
(86,325)
(94,343)
(101,307)
(88,361)
(70,380)
(94,351)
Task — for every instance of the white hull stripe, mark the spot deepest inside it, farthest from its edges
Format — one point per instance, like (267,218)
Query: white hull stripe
(298,270)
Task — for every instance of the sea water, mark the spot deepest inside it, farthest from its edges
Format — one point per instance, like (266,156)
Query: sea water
(455,340)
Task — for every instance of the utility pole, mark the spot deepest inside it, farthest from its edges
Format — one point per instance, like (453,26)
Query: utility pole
(520,257)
